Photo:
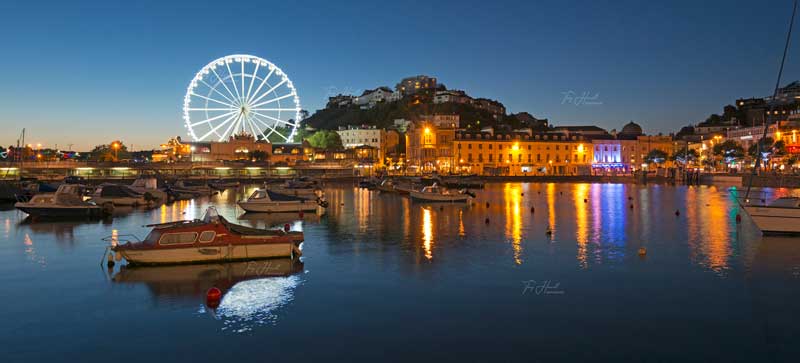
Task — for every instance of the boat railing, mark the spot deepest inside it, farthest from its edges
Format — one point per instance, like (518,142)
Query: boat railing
(122,238)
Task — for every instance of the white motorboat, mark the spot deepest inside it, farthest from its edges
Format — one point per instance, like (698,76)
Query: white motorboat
(781,216)
(67,201)
(435,193)
(265,200)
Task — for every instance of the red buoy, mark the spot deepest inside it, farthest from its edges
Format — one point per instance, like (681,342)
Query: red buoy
(286,227)
(213,297)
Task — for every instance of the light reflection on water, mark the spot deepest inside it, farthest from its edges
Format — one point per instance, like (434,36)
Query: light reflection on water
(376,264)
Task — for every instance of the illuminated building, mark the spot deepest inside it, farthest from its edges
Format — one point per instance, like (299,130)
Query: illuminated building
(412,85)
(522,152)
(429,146)
(355,136)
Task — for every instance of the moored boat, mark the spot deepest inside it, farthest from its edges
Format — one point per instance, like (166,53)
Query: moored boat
(387,186)
(67,201)
(210,239)
(435,193)
(781,216)
(120,195)
(265,200)
(223,184)
(187,190)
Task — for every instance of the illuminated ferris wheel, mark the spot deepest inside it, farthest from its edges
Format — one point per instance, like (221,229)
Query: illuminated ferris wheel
(241,94)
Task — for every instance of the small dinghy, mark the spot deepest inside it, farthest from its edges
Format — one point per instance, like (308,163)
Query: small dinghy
(66,202)
(265,200)
(210,239)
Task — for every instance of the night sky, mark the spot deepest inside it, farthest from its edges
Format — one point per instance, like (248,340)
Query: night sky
(87,74)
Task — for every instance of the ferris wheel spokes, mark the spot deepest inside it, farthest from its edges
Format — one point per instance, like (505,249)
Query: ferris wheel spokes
(226,100)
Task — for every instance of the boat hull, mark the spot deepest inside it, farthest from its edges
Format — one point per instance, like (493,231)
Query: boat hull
(775,220)
(205,254)
(52,211)
(123,201)
(279,206)
(438,198)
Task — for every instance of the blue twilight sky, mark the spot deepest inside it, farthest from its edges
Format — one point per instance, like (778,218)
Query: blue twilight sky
(89,73)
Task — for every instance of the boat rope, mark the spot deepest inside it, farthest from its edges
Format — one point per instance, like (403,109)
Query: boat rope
(774,96)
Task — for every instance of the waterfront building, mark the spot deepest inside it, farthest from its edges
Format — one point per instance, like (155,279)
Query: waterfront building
(355,136)
(626,151)
(522,152)
(238,147)
(588,132)
(429,146)
(412,85)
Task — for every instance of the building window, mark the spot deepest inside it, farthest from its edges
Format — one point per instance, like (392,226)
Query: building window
(490,146)
(519,158)
(490,158)
(529,158)
(469,146)
(538,157)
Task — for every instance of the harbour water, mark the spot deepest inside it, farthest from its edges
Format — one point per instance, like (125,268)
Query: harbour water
(385,278)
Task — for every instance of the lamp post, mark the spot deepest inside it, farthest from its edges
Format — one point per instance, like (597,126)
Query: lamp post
(115,146)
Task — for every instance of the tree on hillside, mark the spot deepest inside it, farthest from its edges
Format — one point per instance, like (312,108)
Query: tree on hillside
(325,139)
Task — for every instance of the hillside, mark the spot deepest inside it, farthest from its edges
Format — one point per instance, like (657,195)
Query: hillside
(383,115)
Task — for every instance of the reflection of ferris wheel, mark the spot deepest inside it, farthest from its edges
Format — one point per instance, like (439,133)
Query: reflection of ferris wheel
(241,94)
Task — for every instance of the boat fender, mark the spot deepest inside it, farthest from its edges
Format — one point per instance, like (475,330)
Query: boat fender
(738,218)
(286,227)
(213,297)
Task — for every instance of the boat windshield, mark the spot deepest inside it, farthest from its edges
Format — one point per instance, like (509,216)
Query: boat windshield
(258,194)
(211,215)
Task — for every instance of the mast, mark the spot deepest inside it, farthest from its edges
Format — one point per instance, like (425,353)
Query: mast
(774,96)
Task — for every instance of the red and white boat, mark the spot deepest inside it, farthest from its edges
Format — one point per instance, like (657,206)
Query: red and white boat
(210,239)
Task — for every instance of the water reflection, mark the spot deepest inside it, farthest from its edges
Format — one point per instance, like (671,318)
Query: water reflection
(512,194)
(252,291)
(427,232)
(708,227)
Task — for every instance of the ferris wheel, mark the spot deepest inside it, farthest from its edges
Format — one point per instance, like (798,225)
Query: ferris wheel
(241,94)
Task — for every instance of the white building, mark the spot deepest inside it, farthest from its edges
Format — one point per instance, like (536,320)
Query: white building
(372,97)
(453,96)
(355,136)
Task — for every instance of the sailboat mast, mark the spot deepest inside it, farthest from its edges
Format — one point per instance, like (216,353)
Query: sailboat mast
(774,97)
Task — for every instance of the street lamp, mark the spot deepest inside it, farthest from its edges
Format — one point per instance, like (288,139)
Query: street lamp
(115,146)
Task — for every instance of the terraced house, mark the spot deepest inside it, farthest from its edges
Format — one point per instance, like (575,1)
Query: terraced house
(521,152)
